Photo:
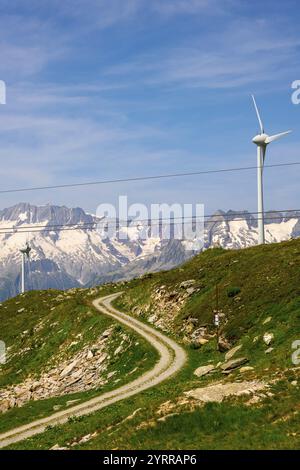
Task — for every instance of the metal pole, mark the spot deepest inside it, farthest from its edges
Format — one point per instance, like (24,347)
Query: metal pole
(260,200)
(23,274)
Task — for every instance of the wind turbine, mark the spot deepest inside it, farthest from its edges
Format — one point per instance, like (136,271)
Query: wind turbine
(25,252)
(262,140)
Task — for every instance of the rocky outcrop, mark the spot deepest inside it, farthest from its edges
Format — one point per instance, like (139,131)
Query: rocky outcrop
(87,369)
(204,370)
(218,392)
(166,303)
(233,364)
(232,352)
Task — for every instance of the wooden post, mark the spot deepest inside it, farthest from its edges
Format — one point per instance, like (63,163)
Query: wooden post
(217,316)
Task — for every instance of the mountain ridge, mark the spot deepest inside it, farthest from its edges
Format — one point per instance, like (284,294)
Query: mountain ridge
(73,258)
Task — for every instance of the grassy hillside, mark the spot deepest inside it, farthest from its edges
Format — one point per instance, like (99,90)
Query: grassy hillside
(259,294)
(255,285)
(44,329)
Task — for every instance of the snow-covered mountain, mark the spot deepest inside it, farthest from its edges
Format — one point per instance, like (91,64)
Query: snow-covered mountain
(69,258)
(235,230)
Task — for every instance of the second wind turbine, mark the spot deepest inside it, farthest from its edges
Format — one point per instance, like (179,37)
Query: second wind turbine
(262,140)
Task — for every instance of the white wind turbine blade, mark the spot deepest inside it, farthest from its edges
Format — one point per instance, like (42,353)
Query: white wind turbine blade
(271,138)
(258,115)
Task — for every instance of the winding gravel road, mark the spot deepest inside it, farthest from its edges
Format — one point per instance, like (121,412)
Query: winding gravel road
(172,359)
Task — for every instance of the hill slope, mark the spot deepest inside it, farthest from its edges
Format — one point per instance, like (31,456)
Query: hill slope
(61,351)
(253,403)
(253,284)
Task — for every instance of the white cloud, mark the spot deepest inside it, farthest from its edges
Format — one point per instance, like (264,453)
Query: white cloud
(38,137)
(68,132)
(28,46)
(243,53)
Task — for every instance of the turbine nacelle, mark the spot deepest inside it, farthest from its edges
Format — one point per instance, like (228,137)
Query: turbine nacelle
(260,139)
(26,250)
(264,139)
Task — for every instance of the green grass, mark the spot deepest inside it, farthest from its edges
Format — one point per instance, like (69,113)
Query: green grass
(37,325)
(57,329)
(229,425)
(268,280)
(254,284)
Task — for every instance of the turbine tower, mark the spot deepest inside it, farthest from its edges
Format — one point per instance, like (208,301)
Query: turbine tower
(262,140)
(25,252)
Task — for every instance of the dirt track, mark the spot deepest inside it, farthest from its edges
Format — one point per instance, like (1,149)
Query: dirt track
(172,359)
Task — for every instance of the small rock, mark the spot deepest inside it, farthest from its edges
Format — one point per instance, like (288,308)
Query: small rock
(254,400)
(162,287)
(269,350)
(267,320)
(90,355)
(71,402)
(23,396)
(57,447)
(152,318)
(232,352)
(77,373)
(71,382)
(186,284)
(57,407)
(203,370)
(202,341)
(4,406)
(164,418)
(189,328)
(223,345)
(246,369)
(34,386)
(68,369)
(111,374)
(191,290)
(294,383)
(268,338)
(102,358)
(12,402)
(106,333)
(85,439)
(118,350)
(234,363)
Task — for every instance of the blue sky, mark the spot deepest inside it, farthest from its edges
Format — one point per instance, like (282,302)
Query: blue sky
(101,89)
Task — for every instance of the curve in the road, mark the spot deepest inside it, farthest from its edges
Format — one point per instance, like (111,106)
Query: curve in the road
(172,359)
